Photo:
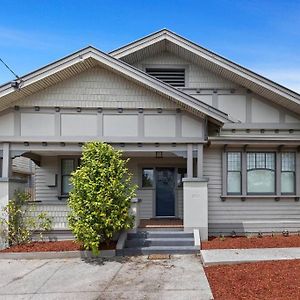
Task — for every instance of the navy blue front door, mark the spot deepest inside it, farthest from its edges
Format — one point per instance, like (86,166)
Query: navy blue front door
(165,192)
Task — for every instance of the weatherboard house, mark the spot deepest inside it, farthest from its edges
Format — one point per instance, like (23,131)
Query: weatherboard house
(211,143)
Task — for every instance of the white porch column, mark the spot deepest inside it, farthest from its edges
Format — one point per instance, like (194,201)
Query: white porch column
(195,195)
(4,183)
(190,160)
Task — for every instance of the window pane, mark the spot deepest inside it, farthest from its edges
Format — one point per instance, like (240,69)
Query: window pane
(182,173)
(148,178)
(66,185)
(260,160)
(234,182)
(288,161)
(250,161)
(287,182)
(270,161)
(67,166)
(234,161)
(261,181)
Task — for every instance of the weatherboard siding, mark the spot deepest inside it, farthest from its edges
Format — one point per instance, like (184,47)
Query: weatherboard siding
(196,76)
(251,215)
(97,87)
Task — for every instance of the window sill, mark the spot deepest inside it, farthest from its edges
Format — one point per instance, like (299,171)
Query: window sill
(275,197)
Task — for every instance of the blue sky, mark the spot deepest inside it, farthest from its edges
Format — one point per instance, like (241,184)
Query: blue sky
(263,35)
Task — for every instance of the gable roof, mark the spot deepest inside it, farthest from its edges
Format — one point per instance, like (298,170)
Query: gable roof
(167,40)
(90,57)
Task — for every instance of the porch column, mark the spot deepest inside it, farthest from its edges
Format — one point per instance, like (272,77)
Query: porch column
(195,195)
(4,183)
(190,161)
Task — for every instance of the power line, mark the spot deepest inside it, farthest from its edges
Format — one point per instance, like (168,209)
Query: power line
(9,69)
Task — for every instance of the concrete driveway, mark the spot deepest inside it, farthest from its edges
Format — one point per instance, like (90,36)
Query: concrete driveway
(181,277)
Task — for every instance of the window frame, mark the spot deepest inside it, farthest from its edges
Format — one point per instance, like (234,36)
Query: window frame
(234,171)
(61,175)
(294,173)
(141,178)
(259,168)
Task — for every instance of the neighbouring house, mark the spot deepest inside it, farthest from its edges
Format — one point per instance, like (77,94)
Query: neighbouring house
(210,142)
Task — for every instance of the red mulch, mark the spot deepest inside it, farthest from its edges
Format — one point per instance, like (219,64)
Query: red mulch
(53,246)
(276,241)
(277,280)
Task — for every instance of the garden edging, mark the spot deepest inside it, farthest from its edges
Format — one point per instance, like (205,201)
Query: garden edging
(57,254)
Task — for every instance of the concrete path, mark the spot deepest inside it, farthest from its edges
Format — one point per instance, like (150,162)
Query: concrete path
(181,277)
(234,256)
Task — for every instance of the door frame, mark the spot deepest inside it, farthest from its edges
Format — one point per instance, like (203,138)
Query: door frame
(176,188)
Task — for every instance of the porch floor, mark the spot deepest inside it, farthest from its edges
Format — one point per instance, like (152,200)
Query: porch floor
(161,223)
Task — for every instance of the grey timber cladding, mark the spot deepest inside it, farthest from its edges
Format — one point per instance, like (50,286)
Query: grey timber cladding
(97,87)
(250,215)
(196,76)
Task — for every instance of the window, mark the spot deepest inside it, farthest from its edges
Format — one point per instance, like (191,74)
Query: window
(234,173)
(67,167)
(148,177)
(172,76)
(288,172)
(181,173)
(260,173)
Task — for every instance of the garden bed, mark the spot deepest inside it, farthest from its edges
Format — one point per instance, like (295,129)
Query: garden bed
(56,246)
(263,280)
(276,241)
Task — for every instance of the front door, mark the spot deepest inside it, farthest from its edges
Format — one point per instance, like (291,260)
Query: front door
(165,192)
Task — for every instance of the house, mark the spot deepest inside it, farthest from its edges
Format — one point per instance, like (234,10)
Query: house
(211,143)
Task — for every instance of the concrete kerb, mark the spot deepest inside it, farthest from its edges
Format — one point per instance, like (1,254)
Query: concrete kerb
(238,256)
(57,254)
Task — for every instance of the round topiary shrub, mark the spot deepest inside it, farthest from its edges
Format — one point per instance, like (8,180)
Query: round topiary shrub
(101,196)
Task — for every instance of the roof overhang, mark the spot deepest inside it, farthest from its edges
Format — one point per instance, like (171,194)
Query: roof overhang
(212,61)
(90,57)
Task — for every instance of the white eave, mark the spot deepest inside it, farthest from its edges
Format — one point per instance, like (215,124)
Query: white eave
(216,63)
(90,57)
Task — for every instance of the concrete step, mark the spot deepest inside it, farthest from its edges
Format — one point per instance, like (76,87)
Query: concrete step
(159,250)
(146,242)
(160,234)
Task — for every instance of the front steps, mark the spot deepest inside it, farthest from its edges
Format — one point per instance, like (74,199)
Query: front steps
(159,242)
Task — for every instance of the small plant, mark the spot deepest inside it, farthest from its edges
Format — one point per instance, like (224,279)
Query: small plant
(222,237)
(18,220)
(101,196)
(285,233)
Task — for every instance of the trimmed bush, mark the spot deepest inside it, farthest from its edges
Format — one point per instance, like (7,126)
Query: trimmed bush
(101,196)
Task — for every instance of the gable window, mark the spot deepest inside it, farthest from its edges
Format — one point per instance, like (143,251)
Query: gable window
(261,173)
(234,175)
(288,177)
(68,165)
(172,76)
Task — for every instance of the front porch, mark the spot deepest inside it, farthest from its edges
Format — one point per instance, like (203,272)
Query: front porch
(169,177)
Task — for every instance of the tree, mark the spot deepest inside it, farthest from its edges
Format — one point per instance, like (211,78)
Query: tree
(101,196)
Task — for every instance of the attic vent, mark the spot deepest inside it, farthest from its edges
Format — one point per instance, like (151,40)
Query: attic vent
(174,77)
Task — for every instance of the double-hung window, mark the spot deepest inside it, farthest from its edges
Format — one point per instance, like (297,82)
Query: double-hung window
(261,173)
(68,165)
(288,167)
(234,174)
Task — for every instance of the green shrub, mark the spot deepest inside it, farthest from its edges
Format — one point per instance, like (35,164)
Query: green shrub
(101,196)
(18,220)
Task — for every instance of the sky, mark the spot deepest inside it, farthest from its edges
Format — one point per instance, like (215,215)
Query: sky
(262,35)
